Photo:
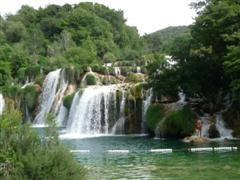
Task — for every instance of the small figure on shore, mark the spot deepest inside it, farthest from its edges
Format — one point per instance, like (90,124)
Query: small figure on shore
(199,127)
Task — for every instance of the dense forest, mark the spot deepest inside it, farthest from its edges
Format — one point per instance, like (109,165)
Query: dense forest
(202,61)
(207,62)
(161,40)
(78,36)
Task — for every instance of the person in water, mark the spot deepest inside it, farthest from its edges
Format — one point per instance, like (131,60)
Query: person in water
(199,127)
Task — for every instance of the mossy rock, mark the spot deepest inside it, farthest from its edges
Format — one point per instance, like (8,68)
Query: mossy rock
(213,132)
(67,101)
(109,80)
(138,91)
(91,79)
(178,124)
(125,70)
(155,114)
(135,77)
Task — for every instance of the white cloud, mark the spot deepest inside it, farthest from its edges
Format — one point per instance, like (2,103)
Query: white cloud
(147,15)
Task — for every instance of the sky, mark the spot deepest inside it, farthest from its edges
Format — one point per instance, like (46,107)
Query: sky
(147,15)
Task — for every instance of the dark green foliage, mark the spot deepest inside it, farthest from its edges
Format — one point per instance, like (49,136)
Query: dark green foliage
(99,69)
(36,42)
(155,115)
(27,156)
(180,123)
(207,59)
(160,41)
(13,92)
(163,79)
(232,118)
(67,101)
(30,97)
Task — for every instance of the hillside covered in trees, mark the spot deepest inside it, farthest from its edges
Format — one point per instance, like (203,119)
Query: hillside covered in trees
(81,69)
(160,41)
(207,65)
(53,37)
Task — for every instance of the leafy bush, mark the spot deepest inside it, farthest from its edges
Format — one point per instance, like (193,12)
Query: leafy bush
(91,79)
(99,69)
(24,155)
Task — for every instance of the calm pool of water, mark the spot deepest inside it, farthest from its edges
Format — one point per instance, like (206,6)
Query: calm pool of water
(139,163)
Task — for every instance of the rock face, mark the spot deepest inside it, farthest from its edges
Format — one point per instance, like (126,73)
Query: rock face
(232,118)
(70,89)
(196,140)
(213,132)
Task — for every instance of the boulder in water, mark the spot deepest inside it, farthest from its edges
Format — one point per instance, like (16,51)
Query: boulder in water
(196,140)
(213,132)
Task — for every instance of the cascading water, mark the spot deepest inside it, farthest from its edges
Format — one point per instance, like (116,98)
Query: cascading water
(146,104)
(52,95)
(90,111)
(58,107)
(220,125)
(118,127)
(2,104)
(182,98)
(205,125)
(117,71)
(62,115)
(138,69)
(28,82)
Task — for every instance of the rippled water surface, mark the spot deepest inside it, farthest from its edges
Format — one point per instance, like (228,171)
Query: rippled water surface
(139,163)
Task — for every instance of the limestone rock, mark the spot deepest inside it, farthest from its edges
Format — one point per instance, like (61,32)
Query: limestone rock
(196,140)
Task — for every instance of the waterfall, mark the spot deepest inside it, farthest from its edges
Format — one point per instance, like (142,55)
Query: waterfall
(58,107)
(220,125)
(28,83)
(2,104)
(118,127)
(182,98)
(117,71)
(205,125)
(90,111)
(90,72)
(62,115)
(223,131)
(27,114)
(146,104)
(138,69)
(54,87)
(63,84)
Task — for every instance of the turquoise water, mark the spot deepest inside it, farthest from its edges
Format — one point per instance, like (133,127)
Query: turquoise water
(139,163)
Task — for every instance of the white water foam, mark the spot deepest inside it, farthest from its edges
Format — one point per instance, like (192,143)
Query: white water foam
(2,104)
(54,87)
(89,112)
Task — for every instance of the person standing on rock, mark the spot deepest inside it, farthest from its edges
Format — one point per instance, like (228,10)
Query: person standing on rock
(199,127)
